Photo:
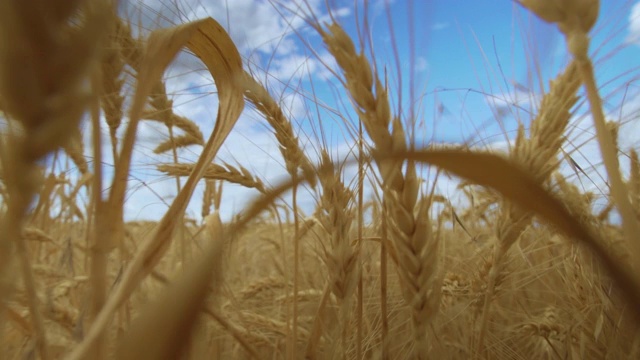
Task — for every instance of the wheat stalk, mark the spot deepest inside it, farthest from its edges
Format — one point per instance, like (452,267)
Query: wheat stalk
(634,181)
(538,155)
(74,148)
(550,298)
(44,60)
(336,218)
(207,39)
(410,231)
(207,197)
(341,258)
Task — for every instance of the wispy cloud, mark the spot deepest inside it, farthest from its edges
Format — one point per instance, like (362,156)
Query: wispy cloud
(513,101)
(421,64)
(440,26)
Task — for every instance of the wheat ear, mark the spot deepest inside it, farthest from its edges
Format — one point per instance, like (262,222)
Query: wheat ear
(226,172)
(410,231)
(294,156)
(336,218)
(538,154)
(112,68)
(341,258)
(575,18)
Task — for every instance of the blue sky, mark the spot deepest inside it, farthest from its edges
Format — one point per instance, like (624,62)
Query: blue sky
(478,68)
(470,55)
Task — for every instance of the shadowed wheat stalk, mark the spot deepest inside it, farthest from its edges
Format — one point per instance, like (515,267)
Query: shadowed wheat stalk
(42,89)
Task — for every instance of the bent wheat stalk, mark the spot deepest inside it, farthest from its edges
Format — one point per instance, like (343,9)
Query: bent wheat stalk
(575,18)
(207,39)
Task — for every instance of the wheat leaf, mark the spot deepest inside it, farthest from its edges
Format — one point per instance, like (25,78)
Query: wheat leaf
(207,40)
(520,187)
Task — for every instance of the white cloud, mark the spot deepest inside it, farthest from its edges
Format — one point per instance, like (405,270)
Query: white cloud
(258,25)
(380,6)
(634,24)
(293,67)
(421,64)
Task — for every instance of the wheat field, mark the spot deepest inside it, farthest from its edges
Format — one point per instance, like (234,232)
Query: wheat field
(526,268)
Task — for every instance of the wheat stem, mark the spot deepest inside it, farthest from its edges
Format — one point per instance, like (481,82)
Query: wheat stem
(578,43)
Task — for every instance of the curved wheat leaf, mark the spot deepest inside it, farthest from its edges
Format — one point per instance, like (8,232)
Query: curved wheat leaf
(209,41)
(520,187)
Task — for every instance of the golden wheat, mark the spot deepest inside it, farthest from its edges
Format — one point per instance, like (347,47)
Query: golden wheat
(533,266)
